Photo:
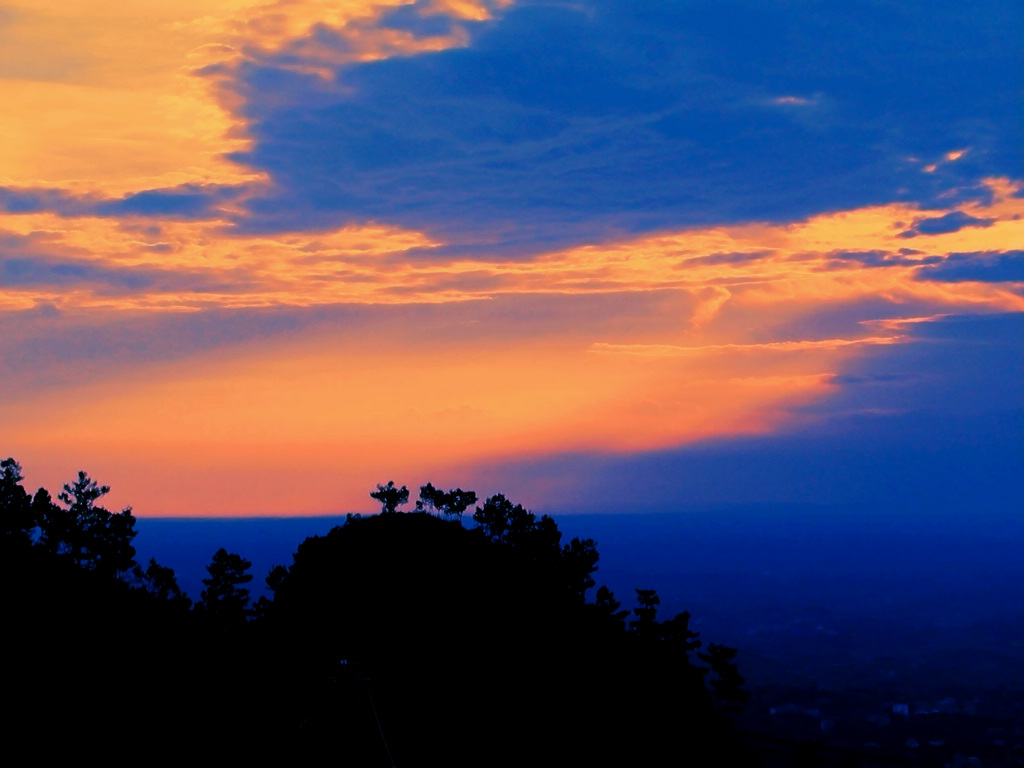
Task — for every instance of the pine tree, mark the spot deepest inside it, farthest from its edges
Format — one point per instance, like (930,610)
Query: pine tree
(224,599)
(15,505)
(726,685)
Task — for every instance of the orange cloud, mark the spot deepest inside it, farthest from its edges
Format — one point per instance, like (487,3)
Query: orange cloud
(633,343)
(792,268)
(107,97)
(694,339)
(96,96)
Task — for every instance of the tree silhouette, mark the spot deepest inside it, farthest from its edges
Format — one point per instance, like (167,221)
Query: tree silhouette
(379,593)
(608,605)
(224,598)
(84,531)
(646,612)
(512,524)
(275,578)
(43,512)
(677,633)
(429,496)
(15,505)
(450,505)
(390,497)
(112,544)
(457,501)
(579,560)
(727,682)
(161,581)
(63,528)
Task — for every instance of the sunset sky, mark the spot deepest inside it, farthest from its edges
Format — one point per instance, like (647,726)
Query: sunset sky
(257,257)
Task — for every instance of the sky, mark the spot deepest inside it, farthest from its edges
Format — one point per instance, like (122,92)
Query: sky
(258,257)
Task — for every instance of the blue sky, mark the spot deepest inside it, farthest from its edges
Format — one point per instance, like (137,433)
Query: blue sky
(729,250)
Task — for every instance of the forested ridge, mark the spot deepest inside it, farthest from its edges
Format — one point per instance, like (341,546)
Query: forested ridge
(394,639)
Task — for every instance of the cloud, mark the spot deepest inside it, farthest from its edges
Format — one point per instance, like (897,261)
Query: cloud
(881,378)
(667,350)
(186,201)
(187,231)
(725,258)
(646,116)
(46,268)
(904,464)
(410,18)
(306,229)
(878,258)
(36,200)
(980,266)
(928,427)
(101,279)
(941,225)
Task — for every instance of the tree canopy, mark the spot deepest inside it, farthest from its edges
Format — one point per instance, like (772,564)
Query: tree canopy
(15,504)
(390,497)
(398,618)
(224,598)
(449,504)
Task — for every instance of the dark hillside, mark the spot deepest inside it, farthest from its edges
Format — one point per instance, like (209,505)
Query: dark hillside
(395,639)
(472,652)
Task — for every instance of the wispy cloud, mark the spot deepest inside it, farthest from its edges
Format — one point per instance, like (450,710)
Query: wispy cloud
(668,350)
(184,238)
(301,231)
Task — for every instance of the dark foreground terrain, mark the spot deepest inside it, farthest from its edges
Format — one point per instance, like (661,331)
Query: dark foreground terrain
(399,639)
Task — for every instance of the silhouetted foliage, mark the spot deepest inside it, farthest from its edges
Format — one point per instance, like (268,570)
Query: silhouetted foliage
(430,498)
(386,593)
(224,599)
(390,497)
(274,579)
(72,614)
(504,522)
(113,545)
(579,561)
(161,582)
(450,504)
(677,634)
(42,511)
(88,534)
(375,634)
(727,681)
(15,505)
(646,611)
(457,501)
(606,603)
(514,526)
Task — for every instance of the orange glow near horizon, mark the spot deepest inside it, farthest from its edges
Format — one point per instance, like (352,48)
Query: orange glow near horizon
(632,343)
(301,412)
(271,425)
